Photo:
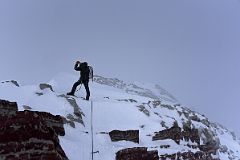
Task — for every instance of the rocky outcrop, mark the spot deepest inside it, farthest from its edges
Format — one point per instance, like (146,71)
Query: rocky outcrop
(209,146)
(129,135)
(8,108)
(77,112)
(43,86)
(188,156)
(29,134)
(114,82)
(137,153)
(143,109)
(211,143)
(53,122)
(13,82)
(176,133)
(127,100)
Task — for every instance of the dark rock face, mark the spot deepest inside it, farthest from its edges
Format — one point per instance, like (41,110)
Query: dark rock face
(8,108)
(129,135)
(176,133)
(54,122)
(186,133)
(188,156)
(211,143)
(138,153)
(30,135)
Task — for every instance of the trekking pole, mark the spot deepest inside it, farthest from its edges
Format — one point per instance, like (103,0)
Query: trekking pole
(92,127)
(79,87)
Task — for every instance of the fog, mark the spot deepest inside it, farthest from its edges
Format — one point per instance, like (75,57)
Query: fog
(191,48)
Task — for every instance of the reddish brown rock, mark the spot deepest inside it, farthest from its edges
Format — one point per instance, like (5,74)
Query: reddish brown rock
(29,135)
(129,135)
(54,122)
(137,153)
(173,133)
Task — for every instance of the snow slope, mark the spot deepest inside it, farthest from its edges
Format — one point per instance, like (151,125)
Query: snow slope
(117,105)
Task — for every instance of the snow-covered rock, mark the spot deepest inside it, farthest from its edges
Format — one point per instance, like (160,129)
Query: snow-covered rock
(165,127)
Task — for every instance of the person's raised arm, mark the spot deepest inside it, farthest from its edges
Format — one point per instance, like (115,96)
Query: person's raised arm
(77,66)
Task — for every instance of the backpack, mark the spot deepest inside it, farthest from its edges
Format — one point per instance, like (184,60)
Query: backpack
(90,72)
(85,66)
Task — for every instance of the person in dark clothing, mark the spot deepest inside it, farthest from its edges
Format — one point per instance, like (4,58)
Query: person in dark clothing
(84,78)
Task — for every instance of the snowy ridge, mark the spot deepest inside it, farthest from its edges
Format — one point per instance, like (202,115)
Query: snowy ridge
(146,90)
(121,106)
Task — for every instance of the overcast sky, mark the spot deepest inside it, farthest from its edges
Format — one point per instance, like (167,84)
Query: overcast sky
(189,47)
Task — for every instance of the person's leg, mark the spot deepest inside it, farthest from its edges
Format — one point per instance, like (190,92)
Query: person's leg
(87,90)
(74,87)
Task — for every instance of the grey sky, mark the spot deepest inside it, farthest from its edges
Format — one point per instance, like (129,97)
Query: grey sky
(189,47)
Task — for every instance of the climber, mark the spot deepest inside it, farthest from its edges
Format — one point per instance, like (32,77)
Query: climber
(84,78)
